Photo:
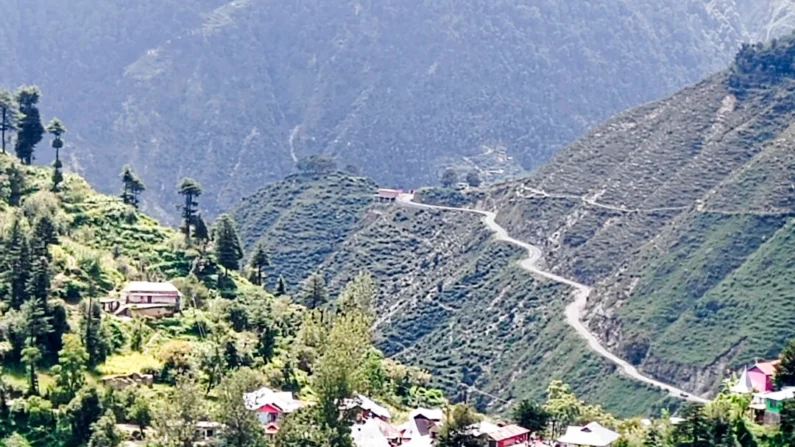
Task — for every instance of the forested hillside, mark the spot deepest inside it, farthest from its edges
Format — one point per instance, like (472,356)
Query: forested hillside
(233,93)
(74,374)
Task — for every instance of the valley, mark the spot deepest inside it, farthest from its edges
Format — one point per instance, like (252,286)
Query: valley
(232,234)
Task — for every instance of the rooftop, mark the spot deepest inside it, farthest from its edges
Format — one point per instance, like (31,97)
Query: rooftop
(507,432)
(365,403)
(145,286)
(283,400)
(593,435)
(768,368)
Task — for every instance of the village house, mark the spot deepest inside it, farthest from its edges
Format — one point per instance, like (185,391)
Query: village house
(376,432)
(421,428)
(145,299)
(364,408)
(508,435)
(591,435)
(207,433)
(761,375)
(767,406)
(270,406)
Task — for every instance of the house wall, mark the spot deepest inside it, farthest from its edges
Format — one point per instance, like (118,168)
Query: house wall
(759,380)
(155,312)
(512,441)
(151,297)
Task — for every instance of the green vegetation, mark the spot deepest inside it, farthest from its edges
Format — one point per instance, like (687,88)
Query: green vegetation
(65,250)
(680,212)
(301,220)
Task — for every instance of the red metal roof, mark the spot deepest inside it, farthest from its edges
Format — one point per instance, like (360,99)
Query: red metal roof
(508,432)
(768,368)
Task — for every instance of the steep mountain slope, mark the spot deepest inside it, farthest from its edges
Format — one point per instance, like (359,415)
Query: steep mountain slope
(451,299)
(233,93)
(681,213)
(302,220)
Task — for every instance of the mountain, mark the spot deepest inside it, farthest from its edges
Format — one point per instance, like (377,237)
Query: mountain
(680,213)
(233,93)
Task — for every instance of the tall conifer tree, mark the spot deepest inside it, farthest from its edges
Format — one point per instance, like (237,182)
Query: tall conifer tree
(226,244)
(259,261)
(6,116)
(190,189)
(18,262)
(30,131)
(56,128)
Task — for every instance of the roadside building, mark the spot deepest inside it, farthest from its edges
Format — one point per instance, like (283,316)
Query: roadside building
(387,195)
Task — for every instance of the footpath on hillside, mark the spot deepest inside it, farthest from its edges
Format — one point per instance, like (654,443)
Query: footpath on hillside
(574,310)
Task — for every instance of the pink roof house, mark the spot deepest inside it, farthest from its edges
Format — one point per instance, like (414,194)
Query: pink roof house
(761,375)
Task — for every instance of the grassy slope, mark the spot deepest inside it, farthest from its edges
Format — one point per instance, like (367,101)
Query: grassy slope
(98,228)
(699,286)
(302,220)
(125,244)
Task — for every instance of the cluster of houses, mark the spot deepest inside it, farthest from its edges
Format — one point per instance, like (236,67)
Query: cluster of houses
(373,427)
(766,401)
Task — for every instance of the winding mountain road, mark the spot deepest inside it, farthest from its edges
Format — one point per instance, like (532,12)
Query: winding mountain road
(574,310)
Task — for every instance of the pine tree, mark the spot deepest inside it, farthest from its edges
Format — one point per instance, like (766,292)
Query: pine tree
(281,286)
(137,188)
(127,178)
(40,280)
(259,260)
(16,184)
(36,326)
(30,131)
(226,244)
(6,116)
(315,291)
(31,355)
(190,189)
(18,262)
(57,175)
(132,186)
(91,331)
(56,128)
(44,235)
(200,232)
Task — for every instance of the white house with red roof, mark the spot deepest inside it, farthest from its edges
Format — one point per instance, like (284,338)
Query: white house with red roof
(270,405)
